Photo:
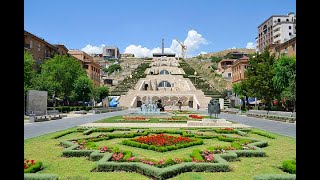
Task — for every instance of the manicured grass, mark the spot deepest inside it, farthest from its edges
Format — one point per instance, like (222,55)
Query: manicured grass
(48,151)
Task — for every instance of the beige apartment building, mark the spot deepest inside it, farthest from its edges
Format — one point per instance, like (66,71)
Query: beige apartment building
(239,68)
(92,68)
(275,30)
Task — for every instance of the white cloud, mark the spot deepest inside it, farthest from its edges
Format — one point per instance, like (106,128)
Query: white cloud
(250,45)
(233,47)
(193,42)
(202,52)
(93,49)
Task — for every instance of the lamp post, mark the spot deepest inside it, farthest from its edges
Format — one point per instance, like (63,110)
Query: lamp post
(195,77)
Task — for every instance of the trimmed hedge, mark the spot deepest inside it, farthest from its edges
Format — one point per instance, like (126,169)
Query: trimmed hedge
(197,155)
(34,168)
(221,131)
(37,176)
(162,173)
(241,133)
(96,156)
(275,177)
(250,153)
(261,133)
(63,134)
(162,148)
(289,166)
(87,132)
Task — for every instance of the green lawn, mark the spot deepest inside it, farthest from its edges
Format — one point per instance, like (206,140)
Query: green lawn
(47,150)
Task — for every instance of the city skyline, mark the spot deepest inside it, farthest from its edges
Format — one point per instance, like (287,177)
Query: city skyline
(204,26)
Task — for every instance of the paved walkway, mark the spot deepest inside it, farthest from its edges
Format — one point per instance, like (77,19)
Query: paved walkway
(287,129)
(41,128)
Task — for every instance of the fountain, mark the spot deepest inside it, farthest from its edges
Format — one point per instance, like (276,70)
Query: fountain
(149,107)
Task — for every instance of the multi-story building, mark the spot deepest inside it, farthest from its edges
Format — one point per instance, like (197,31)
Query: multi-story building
(39,48)
(287,48)
(92,68)
(62,50)
(275,30)
(110,52)
(239,68)
(225,68)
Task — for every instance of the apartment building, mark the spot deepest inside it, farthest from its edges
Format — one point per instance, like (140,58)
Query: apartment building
(110,52)
(238,69)
(39,48)
(92,68)
(275,30)
(286,48)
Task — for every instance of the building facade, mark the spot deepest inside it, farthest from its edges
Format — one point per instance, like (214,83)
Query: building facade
(110,52)
(62,50)
(275,30)
(39,48)
(287,48)
(92,68)
(238,69)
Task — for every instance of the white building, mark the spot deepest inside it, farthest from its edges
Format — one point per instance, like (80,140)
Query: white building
(275,30)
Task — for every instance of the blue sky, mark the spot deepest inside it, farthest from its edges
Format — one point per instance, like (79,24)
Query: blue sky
(216,24)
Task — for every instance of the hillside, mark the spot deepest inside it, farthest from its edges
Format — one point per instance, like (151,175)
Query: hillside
(225,52)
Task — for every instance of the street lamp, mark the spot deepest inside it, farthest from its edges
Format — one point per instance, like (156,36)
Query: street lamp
(195,77)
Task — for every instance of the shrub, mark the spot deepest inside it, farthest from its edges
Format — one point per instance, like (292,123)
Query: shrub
(76,153)
(96,156)
(275,177)
(37,176)
(262,133)
(227,139)
(34,168)
(196,155)
(127,155)
(63,134)
(289,166)
(250,153)
(87,132)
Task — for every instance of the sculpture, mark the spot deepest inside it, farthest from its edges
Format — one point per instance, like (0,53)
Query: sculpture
(113,103)
(214,108)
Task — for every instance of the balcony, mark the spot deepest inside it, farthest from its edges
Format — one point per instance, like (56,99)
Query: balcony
(275,39)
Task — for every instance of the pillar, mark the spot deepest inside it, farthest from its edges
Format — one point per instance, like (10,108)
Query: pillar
(221,101)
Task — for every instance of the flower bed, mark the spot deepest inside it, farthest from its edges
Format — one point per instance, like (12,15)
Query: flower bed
(194,116)
(31,166)
(134,118)
(162,140)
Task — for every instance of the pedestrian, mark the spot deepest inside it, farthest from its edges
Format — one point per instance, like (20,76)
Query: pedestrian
(198,107)
(180,104)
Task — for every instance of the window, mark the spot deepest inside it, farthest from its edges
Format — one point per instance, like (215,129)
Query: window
(164,84)
(39,47)
(164,72)
(290,34)
(289,27)
(278,20)
(229,74)
(31,44)
(287,20)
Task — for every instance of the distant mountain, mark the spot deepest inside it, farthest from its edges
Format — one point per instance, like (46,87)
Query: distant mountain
(225,52)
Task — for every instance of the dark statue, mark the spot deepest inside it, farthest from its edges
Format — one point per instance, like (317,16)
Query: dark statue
(159,105)
(214,108)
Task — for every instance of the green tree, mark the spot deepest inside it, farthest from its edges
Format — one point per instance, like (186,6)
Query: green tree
(284,79)
(242,91)
(83,87)
(100,92)
(216,59)
(29,72)
(58,75)
(112,68)
(259,77)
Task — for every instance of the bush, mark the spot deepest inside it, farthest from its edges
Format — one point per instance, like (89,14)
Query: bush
(34,168)
(196,154)
(289,166)
(262,133)
(96,156)
(87,132)
(37,176)
(128,154)
(222,131)
(250,153)
(275,177)
(63,134)
(76,153)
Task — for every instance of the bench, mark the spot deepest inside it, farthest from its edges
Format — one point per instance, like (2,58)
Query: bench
(281,116)
(80,112)
(52,112)
(232,110)
(34,118)
(55,117)
(105,110)
(257,113)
